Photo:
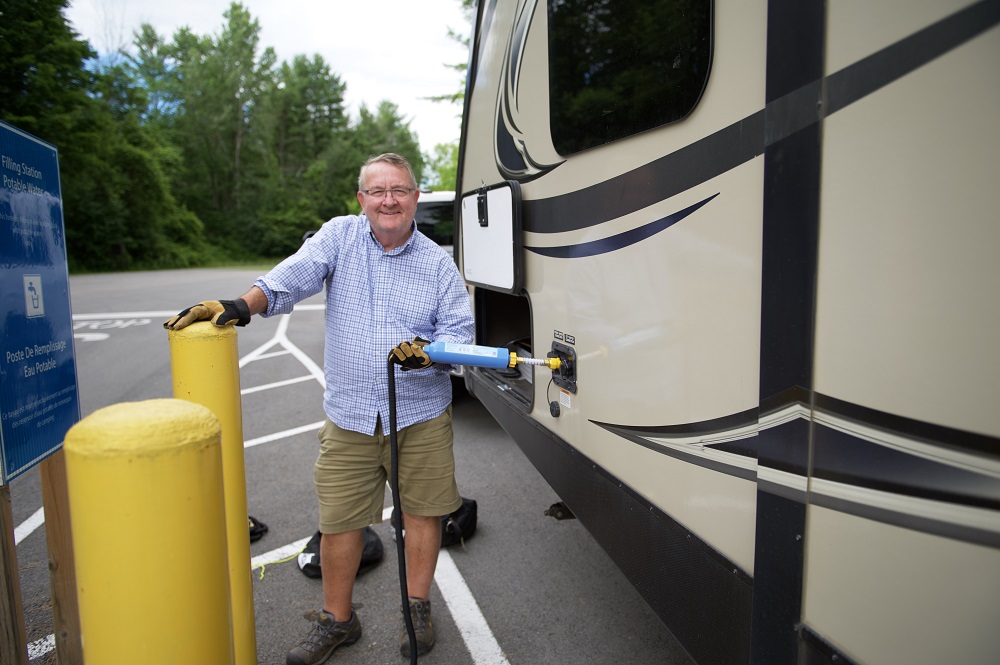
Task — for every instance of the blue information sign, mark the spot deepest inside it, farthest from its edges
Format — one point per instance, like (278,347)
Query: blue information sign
(39,400)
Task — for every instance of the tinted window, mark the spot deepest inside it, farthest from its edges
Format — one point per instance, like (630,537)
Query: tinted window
(620,67)
(437,221)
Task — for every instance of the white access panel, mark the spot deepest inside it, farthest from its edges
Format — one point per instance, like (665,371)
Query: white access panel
(491,237)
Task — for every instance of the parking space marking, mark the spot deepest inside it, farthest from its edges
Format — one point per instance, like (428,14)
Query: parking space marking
(280,339)
(462,606)
(276,384)
(277,436)
(482,645)
(39,648)
(125,315)
(25,528)
(280,554)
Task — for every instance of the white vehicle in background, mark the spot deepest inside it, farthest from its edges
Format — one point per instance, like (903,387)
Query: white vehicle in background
(435,217)
(762,237)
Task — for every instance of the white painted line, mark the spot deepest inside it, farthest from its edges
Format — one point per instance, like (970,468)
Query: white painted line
(276,384)
(39,648)
(274,556)
(314,427)
(91,337)
(26,527)
(258,353)
(292,548)
(483,647)
(282,336)
(283,352)
(125,315)
(164,313)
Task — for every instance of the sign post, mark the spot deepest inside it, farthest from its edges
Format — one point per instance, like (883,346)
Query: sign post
(39,399)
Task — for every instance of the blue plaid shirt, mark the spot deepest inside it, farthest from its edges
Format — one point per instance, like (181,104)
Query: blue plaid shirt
(375,300)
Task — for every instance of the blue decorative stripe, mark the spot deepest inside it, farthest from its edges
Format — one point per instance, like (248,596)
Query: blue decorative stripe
(619,241)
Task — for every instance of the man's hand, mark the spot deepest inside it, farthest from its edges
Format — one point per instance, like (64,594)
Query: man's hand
(220,312)
(411,355)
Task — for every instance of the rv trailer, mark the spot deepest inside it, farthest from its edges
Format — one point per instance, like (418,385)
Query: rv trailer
(761,237)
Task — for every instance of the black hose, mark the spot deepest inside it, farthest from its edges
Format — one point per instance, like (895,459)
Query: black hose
(397,511)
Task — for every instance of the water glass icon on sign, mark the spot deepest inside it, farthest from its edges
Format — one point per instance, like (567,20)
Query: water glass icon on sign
(34,304)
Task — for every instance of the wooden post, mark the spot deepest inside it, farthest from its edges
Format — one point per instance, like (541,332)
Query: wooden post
(13,644)
(62,569)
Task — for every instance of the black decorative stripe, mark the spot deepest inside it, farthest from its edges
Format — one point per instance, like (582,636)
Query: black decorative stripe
(851,461)
(654,182)
(882,68)
(780,401)
(918,430)
(510,158)
(605,245)
(794,494)
(744,447)
(746,139)
(844,458)
(913,521)
(714,426)
(787,447)
(684,456)
(881,421)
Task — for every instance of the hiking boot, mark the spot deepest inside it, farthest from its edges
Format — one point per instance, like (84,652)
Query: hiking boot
(325,636)
(420,613)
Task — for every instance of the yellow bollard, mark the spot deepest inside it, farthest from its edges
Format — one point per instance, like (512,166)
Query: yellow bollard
(204,361)
(145,484)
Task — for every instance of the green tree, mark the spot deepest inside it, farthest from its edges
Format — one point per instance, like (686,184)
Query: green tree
(43,85)
(223,83)
(443,166)
(154,70)
(118,210)
(311,152)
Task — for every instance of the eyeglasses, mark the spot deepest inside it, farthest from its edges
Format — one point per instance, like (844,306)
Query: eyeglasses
(396,192)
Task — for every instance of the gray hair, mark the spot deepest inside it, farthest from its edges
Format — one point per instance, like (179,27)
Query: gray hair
(388,158)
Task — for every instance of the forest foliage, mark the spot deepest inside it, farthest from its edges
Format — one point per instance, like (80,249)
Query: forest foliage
(192,149)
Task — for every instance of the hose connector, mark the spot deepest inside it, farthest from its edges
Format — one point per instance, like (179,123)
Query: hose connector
(551,363)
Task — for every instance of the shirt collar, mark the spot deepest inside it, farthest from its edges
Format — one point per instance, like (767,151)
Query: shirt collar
(396,250)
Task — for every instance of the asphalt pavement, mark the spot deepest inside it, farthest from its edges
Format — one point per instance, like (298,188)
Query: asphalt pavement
(526,589)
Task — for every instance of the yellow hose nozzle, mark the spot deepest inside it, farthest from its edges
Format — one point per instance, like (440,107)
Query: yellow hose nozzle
(551,363)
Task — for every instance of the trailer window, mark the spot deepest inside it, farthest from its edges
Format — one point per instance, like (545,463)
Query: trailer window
(620,67)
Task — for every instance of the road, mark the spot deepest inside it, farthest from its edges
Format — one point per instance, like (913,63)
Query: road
(527,589)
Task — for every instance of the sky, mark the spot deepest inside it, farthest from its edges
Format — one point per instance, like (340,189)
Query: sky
(394,49)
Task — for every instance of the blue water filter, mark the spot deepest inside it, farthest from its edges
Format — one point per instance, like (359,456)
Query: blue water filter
(468,354)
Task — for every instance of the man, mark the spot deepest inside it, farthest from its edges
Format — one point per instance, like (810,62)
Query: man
(385,281)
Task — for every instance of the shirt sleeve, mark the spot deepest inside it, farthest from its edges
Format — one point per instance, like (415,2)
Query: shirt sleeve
(302,274)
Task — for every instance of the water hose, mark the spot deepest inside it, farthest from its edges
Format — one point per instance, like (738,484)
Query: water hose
(397,511)
(452,354)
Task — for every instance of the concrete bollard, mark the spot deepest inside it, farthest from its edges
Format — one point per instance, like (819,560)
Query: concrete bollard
(148,529)
(204,362)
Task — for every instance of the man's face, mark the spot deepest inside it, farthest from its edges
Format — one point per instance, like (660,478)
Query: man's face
(390,215)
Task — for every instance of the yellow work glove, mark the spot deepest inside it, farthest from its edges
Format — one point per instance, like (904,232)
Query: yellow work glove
(411,355)
(220,312)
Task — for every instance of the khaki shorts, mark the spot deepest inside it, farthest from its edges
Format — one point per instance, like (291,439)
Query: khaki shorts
(352,468)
